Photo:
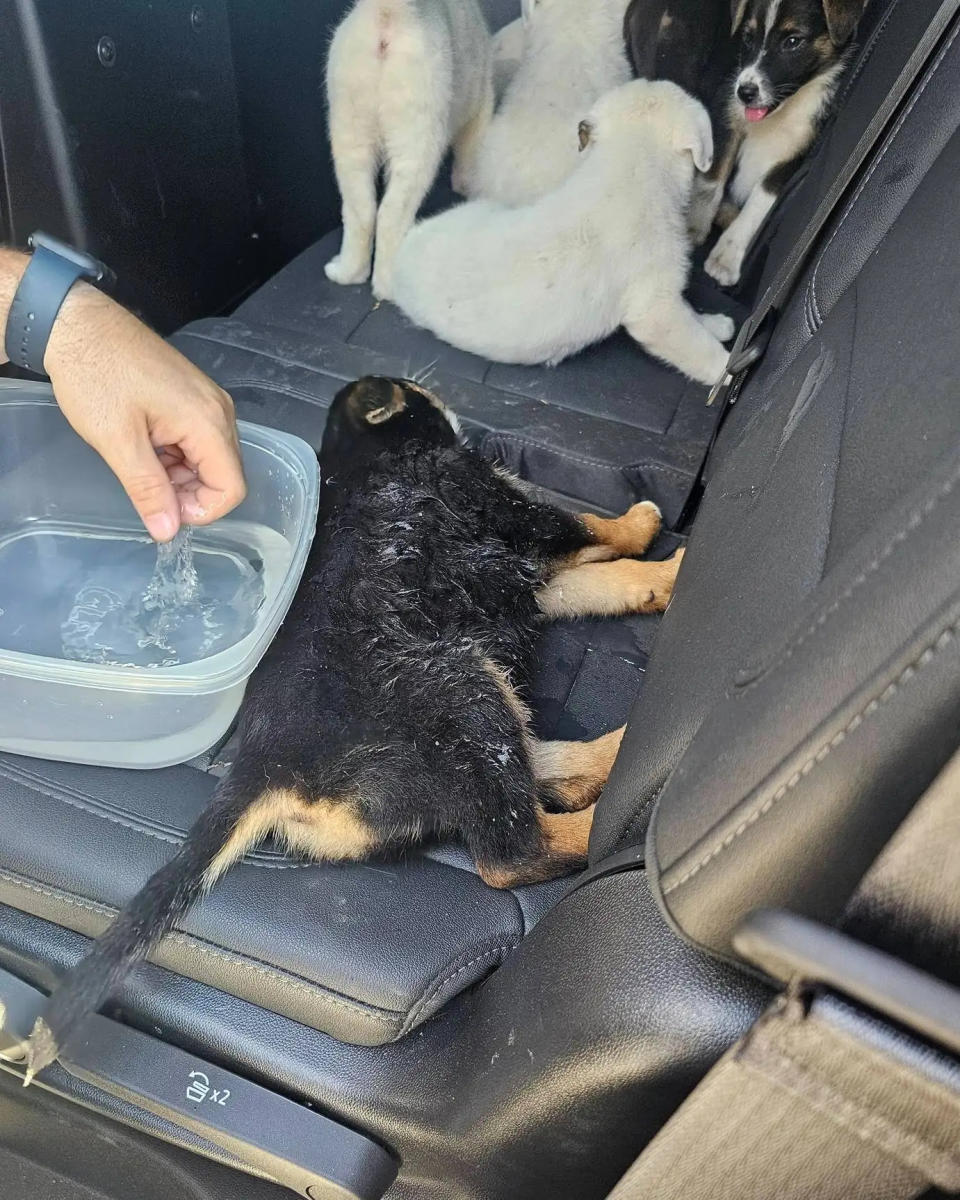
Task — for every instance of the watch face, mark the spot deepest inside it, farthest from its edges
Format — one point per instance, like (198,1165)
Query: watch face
(92,269)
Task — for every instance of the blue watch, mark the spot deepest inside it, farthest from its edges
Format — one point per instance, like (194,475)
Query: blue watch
(52,271)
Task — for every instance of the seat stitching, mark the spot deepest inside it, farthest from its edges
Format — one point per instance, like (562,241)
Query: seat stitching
(894,134)
(522,441)
(432,989)
(657,466)
(50,790)
(915,520)
(645,805)
(867,52)
(283,978)
(943,639)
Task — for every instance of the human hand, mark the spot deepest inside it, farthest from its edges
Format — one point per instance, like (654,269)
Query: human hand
(166,430)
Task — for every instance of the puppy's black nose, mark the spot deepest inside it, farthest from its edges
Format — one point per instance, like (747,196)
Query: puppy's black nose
(748,93)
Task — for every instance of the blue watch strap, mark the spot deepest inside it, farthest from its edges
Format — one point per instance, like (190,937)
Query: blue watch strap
(40,296)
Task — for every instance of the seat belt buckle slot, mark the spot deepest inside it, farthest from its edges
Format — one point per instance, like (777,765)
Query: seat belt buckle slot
(793,949)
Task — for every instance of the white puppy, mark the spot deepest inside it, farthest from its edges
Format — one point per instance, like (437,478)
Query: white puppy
(405,79)
(572,52)
(609,247)
(508,44)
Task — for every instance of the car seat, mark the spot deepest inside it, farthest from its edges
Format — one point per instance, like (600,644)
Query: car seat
(800,694)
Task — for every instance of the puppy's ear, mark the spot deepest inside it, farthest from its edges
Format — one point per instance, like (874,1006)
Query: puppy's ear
(738,11)
(695,133)
(374,400)
(843,16)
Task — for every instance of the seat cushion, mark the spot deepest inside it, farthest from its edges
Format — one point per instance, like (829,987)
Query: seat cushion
(607,427)
(362,952)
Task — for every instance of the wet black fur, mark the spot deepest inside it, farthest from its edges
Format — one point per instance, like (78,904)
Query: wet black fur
(426,560)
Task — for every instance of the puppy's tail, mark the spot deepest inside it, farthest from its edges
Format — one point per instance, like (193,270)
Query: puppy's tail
(232,823)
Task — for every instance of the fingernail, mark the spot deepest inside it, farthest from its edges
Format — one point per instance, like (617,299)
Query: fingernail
(161,527)
(192,512)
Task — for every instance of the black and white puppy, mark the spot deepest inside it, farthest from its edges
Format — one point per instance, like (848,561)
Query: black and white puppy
(792,56)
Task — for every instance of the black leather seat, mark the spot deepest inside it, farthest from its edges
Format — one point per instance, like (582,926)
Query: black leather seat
(802,692)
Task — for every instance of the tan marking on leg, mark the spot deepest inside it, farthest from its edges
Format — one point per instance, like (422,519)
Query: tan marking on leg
(576,771)
(610,589)
(565,837)
(327,829)
(628,535)
(259,820)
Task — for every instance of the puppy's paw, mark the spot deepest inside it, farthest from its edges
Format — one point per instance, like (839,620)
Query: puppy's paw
(641,523)
(340,271)
(726,260)
(661,583)
(719,324)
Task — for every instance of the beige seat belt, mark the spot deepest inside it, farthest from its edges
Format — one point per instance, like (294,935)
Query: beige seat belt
(848,1086)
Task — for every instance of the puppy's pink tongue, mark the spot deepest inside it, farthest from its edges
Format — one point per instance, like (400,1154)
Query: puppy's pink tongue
(755,114)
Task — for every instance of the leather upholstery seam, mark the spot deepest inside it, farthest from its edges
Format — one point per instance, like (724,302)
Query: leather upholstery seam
(678,472)
(912,524)
(283,978)
(623,841)
(867,52)
(943,639)
(50,790)
(258,351)
(894,134)
(433,988)
(279,388)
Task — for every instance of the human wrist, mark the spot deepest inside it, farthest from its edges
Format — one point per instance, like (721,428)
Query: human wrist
(86,318)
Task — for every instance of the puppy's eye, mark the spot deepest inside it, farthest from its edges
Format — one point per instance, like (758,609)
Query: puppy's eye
(793,41)
(748,39)
(584,133)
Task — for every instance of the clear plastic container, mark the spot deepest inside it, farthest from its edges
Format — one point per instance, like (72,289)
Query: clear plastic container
(69,538)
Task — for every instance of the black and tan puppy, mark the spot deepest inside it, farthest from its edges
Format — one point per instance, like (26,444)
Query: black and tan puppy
(389,708)
(792,56)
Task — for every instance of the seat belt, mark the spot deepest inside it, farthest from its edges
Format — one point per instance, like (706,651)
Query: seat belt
(848,1086)
(755,333)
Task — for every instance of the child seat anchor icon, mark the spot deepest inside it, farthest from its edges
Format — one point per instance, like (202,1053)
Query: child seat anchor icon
(197,1090)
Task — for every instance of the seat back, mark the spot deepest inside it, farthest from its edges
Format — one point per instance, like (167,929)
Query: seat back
(804,689)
